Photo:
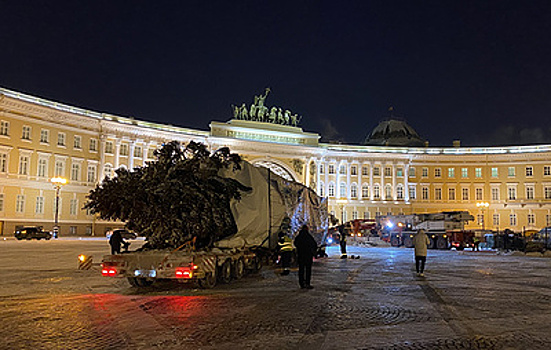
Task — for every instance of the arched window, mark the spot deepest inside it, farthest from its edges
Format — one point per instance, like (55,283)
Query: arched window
(342,190)
(321,189)
(376,192)
(365,191)
(331,190)
(400,192)
(354,191)
(388,191)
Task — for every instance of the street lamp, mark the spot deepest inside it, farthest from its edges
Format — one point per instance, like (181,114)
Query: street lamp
(58,182)
(484,206)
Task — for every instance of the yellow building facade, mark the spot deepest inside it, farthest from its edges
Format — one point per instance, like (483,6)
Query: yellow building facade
(503,187)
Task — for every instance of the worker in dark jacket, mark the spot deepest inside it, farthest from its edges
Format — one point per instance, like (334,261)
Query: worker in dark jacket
(115,241)
(306,250)
(342,233)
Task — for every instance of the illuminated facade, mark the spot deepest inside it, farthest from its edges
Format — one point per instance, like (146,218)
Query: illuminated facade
(40,139)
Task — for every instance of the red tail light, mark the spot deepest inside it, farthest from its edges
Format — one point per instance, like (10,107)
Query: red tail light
(183,272)
(109,271)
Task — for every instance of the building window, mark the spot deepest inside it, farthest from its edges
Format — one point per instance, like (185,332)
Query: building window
(77,142)
(495,193)
(331,190)
(59,168)
(480,219)
(376,192)
(496,219)
(124,150)
(478,194)
(20,204)
(321,167)
(400,172)
(4,128)
(531,219)
(547,192)
(511,171)
(353,170)
(548,220)
(342,189)
(331,168)
(437,172)
(529,192)
(399,192)
(465,194)
(388,171)
(478,172)
(108,170)
(425,172)
(513,219)
(412,172)
(321,189)
(388,192)
(109,147)
(354,191)
(39,208)
(1,202)
(354,215)
(494,172)
(547,170)
(3,162)
(138,154)
(464,172)
(42,167)
(425,193)
(23,165)
(512,193)
(438,194)
(529,171)
(26,135)
(451,173)
(75,172)
(93,145)
(151,155)
(91,174)
(451,194)
(58,204)
(342,170)
(365,191)
(366,215)
(61,139)
(365,171)
(73,205)
(376,171)
(412,193)
(44,136)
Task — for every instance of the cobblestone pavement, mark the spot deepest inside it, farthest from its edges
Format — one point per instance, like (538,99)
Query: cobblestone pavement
(466,301)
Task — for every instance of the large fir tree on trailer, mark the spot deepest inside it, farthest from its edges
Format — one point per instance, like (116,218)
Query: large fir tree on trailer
(174,199)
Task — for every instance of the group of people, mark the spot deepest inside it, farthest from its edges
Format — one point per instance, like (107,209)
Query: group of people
(306,249)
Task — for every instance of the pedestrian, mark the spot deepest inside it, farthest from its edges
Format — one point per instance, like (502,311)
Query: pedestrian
(420,242)
(115,241)
(342,241)
(476,243)
(285,244)
(306,249)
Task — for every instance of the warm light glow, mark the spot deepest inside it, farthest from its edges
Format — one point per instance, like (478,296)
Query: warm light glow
(183,272)
(58,181)
(82,257)
(483,204)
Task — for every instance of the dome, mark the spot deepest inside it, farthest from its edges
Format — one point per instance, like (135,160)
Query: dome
(394,132)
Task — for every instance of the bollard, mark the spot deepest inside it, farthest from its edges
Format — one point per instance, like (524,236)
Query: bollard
(84,262)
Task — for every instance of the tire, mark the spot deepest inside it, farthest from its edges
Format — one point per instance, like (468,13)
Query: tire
(225,272)
(239,268)
(408,242)
(256,264)
(432,244)
(395,242)
(442,243)
(139,282)
(208,282)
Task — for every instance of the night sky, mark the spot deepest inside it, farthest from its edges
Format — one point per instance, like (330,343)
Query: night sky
(478,71)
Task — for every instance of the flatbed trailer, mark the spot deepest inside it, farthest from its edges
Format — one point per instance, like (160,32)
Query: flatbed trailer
(205,268)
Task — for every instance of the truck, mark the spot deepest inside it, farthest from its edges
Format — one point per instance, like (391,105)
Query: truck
(444,229)
(274,204)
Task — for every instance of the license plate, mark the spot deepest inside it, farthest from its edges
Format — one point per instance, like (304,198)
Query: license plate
(145,273)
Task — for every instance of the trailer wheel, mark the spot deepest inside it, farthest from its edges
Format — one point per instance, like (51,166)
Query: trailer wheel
(395,242)
(408,242)
(139,282)
(239,268)
(256,264)
(442,243)
(225,272)
(209,281)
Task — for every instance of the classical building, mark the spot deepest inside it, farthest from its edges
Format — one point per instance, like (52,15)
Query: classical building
(394,172)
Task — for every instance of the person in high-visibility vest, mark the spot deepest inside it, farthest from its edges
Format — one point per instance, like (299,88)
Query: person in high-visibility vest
(286,248)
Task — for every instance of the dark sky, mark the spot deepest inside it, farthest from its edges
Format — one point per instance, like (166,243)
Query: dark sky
(478,71)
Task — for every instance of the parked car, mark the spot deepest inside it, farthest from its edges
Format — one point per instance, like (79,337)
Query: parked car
(32,232)
(124,233)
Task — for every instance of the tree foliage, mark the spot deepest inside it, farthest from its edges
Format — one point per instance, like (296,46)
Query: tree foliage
(174,199)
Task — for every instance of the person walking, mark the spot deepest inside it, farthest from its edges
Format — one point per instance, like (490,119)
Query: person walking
(342,242)
(306,248)
(285,244)
(115,241)
(420,242)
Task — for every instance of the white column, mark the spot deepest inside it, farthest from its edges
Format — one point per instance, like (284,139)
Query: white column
(406,182)
(393,169)
(371,180)
(131,155)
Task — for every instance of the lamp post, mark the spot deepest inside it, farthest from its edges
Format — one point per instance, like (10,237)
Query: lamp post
(58,182)
(484,206)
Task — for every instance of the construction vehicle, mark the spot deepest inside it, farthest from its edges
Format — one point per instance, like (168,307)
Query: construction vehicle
(260,215)
(443,228)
